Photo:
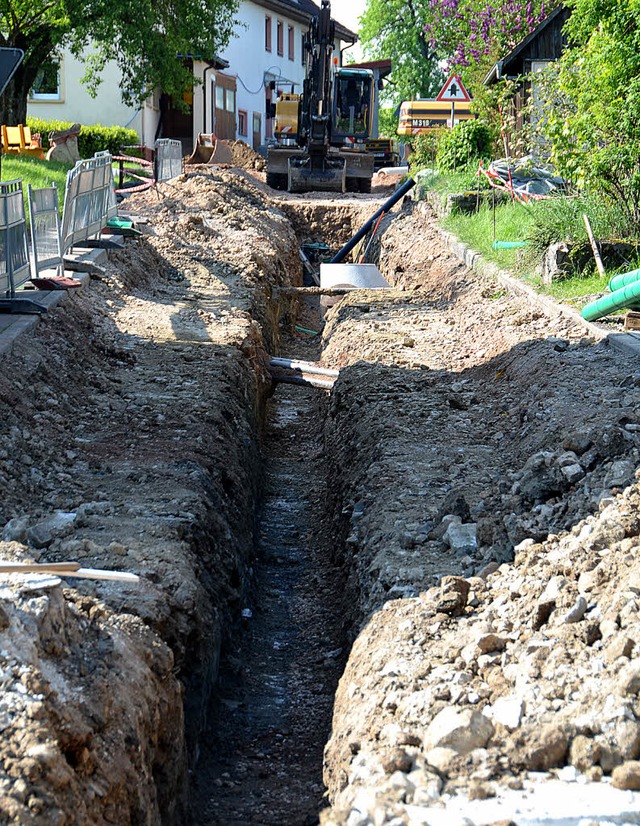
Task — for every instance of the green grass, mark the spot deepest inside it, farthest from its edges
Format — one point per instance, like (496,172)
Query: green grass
(454,182)
(38,173)
(575,290)
(512,223)
(540,223)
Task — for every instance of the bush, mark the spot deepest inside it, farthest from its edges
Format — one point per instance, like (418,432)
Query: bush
(424,148)
(467,142)
(92,139)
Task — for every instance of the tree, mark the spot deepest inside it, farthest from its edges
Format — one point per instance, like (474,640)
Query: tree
(592,115)
(144,38)
(471,35)
(395,29)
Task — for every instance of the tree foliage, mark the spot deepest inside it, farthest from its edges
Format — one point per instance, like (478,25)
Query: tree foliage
(472,33)
(144,37)
(387,122)
(395,29)
(592,112)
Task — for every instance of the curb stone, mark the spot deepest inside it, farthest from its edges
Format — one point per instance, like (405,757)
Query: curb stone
(626,342)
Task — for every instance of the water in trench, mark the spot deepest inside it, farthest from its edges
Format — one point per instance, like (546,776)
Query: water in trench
(262,758)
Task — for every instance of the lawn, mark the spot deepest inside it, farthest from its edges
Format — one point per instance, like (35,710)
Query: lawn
(479,231)
(539,224)
(38,173)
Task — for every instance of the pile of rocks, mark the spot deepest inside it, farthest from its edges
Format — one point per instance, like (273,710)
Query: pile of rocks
(475,684)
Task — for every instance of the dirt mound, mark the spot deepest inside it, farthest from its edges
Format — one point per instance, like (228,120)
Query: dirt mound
(129,443)
(245,157)
(465,424)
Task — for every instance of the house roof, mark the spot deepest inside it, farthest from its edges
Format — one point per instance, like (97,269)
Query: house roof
(303,10)
(501,68)
(383,66)
(213,60)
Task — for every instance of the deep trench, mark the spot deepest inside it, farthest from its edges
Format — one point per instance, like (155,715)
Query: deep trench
(260,758)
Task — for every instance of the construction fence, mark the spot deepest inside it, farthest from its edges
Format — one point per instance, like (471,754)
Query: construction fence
(89,203)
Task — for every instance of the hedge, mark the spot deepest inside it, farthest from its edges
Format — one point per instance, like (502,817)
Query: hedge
(91,139)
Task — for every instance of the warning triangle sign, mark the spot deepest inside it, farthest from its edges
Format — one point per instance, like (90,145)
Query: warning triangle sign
(10,59)
(453,91)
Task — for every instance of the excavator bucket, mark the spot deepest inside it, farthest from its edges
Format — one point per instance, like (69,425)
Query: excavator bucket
(330,177)
(210,150)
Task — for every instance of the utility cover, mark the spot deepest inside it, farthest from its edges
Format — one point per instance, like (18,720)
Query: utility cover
(453,91)
(10,59)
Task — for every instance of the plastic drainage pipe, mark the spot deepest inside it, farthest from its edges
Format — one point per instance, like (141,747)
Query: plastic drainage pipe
(628,296)
(623,279)
(309,381)
(364,229)
(304,367)
(509,245)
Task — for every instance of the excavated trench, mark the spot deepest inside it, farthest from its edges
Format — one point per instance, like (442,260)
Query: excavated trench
(261,754)
(261,760)
(273,530)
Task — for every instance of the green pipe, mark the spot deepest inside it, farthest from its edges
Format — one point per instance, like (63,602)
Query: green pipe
(628,296)
(509,245)
(622,279)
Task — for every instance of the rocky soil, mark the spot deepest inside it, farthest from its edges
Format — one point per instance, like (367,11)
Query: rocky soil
(130,441)
(484,459)
(479,498)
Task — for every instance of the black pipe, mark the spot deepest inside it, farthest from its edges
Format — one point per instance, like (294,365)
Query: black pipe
(342,254)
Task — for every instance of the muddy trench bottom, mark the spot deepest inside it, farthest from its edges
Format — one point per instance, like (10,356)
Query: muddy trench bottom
(261,758)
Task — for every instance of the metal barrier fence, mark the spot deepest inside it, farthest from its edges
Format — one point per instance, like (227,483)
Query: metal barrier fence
(14,251)
(89,199)
(46,241)
(168,159)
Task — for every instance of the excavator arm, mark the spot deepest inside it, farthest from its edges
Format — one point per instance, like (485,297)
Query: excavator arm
(315,169)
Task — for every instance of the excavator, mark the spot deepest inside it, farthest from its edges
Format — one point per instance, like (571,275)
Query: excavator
(321,134)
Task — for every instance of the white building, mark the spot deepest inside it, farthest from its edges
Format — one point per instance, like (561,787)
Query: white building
(237,91)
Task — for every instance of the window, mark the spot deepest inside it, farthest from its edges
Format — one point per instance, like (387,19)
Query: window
(46,86)
(267,33)
(291,36)
(280,37)
(219,97)
(231,101)
(243,121)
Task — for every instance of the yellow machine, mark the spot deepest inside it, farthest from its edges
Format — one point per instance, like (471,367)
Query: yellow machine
(285,125)
(418,116)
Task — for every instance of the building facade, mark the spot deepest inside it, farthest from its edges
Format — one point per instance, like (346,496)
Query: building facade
(236,95)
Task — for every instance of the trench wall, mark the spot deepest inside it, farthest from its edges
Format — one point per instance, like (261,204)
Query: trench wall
(131,440)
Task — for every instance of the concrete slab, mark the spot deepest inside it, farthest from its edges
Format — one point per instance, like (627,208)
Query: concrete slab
(14,325)
(80,254)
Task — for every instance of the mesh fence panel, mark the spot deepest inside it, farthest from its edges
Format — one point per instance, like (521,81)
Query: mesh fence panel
(168,159)
(89,199)
(45,228)
(14,251)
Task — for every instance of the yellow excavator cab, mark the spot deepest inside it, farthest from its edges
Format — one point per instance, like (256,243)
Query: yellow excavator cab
(286,120)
